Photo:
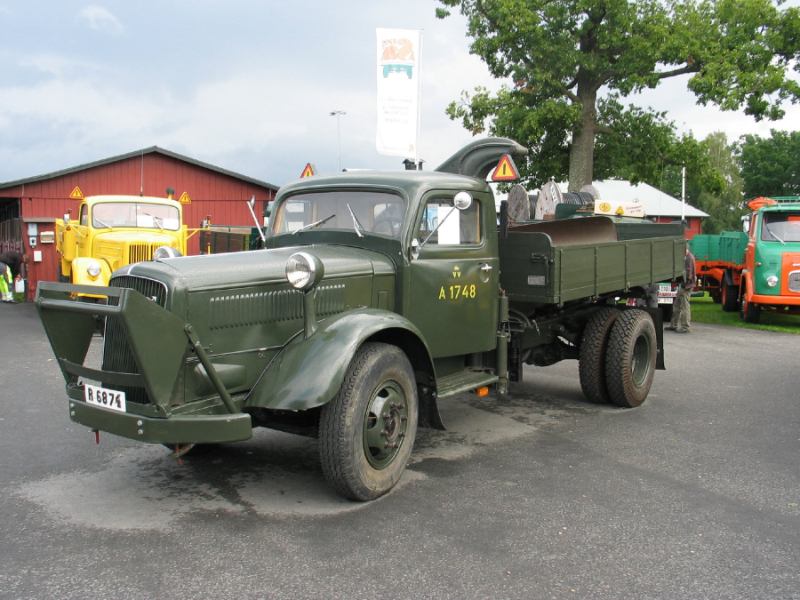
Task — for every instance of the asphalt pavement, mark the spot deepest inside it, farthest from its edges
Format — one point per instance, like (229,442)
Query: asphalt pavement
(539,495)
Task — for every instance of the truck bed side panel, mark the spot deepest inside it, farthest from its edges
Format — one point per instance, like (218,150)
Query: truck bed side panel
(533,270)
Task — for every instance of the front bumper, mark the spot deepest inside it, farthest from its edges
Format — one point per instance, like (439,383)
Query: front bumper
(775,300)
(177,429)
(69,325)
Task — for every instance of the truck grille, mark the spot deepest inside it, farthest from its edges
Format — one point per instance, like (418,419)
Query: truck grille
(794,281)
(140,251)
(117,355)
(239,310)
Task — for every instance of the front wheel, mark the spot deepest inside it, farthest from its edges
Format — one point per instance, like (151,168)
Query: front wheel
(367,431)
(631,358)
(750,313)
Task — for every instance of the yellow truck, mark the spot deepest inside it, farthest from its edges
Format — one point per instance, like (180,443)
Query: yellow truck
(113,231)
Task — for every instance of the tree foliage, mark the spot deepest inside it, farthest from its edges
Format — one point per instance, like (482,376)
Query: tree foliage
(770,166)
(569,62)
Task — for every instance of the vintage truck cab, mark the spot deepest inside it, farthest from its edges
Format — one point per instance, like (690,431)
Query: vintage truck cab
(378,295)
(113,231)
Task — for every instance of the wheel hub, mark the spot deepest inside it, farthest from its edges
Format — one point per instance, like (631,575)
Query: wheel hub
(385,424)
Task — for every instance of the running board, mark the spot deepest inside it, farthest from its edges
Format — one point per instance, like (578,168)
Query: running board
(464,381)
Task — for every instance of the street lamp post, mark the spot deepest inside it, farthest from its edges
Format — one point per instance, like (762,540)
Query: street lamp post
(338,114)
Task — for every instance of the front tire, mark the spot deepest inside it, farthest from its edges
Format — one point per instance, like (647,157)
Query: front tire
(750,313)
(631,358)
(367,431)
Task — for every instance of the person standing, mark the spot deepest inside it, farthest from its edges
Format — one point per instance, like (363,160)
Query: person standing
(682,312)
(10,263)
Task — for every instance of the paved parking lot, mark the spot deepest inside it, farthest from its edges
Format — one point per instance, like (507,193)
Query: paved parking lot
(540,495)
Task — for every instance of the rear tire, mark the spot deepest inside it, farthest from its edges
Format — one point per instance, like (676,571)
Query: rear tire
(730,297)
(592,356)
(631,358)
(367,431)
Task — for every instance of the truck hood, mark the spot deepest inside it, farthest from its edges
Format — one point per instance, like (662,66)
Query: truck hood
(259,267)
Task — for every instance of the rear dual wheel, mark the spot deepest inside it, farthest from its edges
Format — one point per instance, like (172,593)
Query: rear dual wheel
(631,358)
(592,355)
(730,297)
(618,357)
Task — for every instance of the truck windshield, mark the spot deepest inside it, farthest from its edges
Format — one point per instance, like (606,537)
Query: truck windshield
(380,213)
(779,227)
(135,214)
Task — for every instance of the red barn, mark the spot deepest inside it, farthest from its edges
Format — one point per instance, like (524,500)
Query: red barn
(29,207)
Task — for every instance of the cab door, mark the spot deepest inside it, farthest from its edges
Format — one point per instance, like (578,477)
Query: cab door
(453,281)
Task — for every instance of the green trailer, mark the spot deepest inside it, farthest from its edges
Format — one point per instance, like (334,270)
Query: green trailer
(378,296)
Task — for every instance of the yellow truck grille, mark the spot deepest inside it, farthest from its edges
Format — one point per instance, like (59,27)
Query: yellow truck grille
(139,251)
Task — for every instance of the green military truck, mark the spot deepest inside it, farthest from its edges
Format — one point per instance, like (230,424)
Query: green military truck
(378,295)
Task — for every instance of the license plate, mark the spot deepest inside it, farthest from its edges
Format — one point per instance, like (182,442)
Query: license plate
(112,399)
(666,290)
(666,300)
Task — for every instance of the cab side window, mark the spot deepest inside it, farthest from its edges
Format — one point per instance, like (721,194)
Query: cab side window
(444,225)
(84,216)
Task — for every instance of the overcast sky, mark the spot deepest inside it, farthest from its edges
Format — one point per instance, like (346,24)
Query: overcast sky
(246,85)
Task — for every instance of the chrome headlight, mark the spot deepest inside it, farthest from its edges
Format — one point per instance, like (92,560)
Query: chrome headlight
(772,281)
(304,270)
(93,268)
(166,252)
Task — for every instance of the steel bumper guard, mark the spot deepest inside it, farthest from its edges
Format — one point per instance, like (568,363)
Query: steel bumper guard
(70,325)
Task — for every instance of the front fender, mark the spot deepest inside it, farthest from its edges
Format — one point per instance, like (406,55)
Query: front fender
(747,286)
(81,277)
(309,372)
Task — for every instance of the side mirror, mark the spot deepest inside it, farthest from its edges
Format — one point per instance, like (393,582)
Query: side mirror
(746,223)
(414,251)
(462,200)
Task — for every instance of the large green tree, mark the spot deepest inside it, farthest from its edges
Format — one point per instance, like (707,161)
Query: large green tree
(770,166)
(565,56)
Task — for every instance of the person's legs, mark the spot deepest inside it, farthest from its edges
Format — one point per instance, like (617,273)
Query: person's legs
(681,314)
(676,311)
(686,311)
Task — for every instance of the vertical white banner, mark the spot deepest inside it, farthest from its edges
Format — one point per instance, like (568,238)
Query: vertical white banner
(398,71)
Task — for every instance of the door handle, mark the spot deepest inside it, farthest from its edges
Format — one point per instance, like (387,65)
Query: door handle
(485,267)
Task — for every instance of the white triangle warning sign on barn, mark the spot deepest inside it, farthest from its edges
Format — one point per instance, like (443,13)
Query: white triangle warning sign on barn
(506,170)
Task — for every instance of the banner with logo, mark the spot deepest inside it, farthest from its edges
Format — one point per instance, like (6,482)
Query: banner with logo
(399,88)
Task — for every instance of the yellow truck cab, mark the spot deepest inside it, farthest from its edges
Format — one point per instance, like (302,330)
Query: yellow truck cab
(113,231)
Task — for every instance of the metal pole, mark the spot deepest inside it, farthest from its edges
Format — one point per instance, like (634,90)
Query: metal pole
(338,114)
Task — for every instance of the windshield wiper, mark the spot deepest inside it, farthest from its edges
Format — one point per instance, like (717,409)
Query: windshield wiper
(772,233)
(314,225)
(358,226)
(155,220)
(103,223)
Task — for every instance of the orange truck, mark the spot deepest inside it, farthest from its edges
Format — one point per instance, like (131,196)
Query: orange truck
(758,268)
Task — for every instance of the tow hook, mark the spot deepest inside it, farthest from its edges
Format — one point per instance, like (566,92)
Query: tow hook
(181,449)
